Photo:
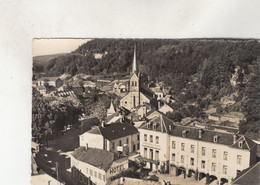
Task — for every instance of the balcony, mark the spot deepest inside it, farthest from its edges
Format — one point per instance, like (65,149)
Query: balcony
(157,162)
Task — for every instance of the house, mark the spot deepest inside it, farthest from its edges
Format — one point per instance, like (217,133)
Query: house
(248,176)
(138,93)
(119,137)
(51,81)
(208,154)
(42,90)
(96,166)
(89,84)
(195,152)
(154,142)
(120,87)
(165,108)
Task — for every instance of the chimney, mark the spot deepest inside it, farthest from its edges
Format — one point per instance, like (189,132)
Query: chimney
(103,124)
(200,133)
(234,138)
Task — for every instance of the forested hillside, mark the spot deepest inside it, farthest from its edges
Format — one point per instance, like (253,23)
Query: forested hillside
(196,72)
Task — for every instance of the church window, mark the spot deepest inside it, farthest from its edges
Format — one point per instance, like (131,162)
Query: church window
(135,83)
(132,83)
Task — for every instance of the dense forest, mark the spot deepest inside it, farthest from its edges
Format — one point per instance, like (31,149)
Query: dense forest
(197,72)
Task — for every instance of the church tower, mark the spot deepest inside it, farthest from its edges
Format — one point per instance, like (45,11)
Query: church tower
(134,86)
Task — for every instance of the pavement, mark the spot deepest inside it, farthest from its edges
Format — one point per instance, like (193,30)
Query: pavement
(179,180)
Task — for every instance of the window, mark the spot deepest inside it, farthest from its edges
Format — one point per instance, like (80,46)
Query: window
(138,137)
(215,139)
(145,152)
(238,172)
(95,174)
(157,139)
(157,155)
(214,153)
(173,157)
(104,178)
(133,148)
(239,159)
(151,138)
(203,164)
(133,83)
(213,167)
(182,146)
(138,146)
(240,144)
(120,143)
(125,102)
(145,137)
(182,159)
(192,148)
(225,155)
(99,176)
(91,172)
(203,151)
(127,141)
(173,145)
(113,145)
(192,161)
(151,154)
(224,169)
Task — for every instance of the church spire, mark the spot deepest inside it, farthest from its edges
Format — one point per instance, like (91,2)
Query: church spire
(134,67)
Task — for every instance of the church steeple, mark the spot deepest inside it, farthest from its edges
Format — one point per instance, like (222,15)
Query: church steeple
(134,66)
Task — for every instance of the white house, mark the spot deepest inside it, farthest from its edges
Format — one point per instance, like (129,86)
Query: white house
(95,166)
(119,137)
(154,140)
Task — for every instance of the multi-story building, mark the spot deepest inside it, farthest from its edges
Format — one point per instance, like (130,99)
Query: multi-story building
(114,137)
(154,139)
(95,166)
(206,153)
(195,152)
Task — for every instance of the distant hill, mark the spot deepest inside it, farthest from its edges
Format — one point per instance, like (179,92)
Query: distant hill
(39,62)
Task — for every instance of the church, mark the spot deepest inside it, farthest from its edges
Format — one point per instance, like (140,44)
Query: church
(138,94)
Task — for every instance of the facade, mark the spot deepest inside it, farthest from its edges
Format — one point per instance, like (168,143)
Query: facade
(138,93)
(95,166)
(51,81)
(116,137)
(154,138)
(205,153)
(195,152)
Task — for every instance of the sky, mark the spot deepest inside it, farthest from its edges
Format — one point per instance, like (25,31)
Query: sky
(55,46)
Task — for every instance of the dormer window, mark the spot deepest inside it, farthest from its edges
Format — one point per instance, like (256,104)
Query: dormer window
(216,138)
(184,132)
(240,144)
(154,126)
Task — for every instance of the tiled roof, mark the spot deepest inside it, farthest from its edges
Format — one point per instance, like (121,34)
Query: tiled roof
(146,91)
(193,133)
(248,176)
(246,143)
(115,130)
(97,157)
(162,124)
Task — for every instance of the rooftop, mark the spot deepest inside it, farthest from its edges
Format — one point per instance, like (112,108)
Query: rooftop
(249,176)
(163,125)
(96,157)
(115,130)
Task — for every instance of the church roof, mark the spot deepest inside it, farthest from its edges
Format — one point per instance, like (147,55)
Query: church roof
(111,109)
